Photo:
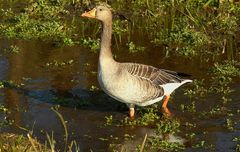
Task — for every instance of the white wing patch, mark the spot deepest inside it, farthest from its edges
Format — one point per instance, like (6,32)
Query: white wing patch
(146,103)
(170,87)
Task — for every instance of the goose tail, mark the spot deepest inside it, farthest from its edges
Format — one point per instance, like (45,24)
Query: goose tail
(170,87)
(186,81)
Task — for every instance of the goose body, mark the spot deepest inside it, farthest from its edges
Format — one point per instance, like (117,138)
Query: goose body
(131,83)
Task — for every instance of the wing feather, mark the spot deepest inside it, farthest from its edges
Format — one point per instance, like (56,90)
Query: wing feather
(149,80)
(153,75)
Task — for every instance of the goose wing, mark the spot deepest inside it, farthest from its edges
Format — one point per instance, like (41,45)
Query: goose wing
(148,81)
(154,75)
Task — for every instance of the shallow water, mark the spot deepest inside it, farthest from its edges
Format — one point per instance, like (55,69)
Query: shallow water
(46,83)
(84,110)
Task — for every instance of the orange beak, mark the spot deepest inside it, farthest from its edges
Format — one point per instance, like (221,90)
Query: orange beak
(90,14)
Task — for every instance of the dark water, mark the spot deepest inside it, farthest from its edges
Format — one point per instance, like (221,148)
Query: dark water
(84,110)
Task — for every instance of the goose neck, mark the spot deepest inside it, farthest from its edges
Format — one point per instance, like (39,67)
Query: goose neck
(106,37)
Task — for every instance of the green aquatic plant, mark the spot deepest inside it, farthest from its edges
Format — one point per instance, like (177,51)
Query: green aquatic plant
(147,119)
(190,125)
(168,126)
(147,116)
(55,63)
(46,9)
(68,41)
(39,20)
(230,124)
(128,137)
(188,29)
(190,108)
(237,139)
(93,44)
(198,90)
(208,29)
(22,26)
(119,28)
(4,111)
(133,48)
(1,84)
(238,147)
(109,120)
(200,144)
(190,136)
(10,84)
(163,145)
(213,112)
(227,68)
(94,88)
(13,142)
(12,49)
(184,40)
(203,145)
(222,77)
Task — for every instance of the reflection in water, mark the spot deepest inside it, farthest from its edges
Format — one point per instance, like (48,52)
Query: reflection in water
(14,72)
(44,84)
(130,145)
(13,100)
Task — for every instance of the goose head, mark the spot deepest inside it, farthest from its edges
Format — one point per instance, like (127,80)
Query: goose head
(100,12)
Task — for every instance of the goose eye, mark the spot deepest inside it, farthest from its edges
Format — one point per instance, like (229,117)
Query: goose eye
(100,9)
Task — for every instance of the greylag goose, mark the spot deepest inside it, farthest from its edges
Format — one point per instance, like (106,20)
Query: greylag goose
(131,83)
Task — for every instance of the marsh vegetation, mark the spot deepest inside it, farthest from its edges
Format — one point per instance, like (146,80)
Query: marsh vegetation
(48,58)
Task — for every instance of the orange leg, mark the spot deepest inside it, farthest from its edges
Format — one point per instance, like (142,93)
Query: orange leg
(131,113)
(164,106)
